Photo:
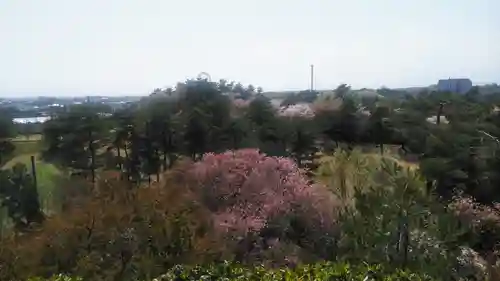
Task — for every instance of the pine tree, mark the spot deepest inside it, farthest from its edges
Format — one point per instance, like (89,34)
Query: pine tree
(19,196)
(72,139)
(303,144)
(196,133)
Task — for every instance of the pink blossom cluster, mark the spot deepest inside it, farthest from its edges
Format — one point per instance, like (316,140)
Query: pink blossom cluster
(474,213)
(245,189)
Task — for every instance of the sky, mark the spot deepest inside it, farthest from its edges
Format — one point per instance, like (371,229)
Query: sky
(114,47)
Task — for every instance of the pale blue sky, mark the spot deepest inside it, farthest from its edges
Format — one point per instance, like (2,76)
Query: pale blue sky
(73,47)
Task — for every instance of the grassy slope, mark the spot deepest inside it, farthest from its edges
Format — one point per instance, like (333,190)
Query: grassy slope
(29,138)
(396,159)
(48,175)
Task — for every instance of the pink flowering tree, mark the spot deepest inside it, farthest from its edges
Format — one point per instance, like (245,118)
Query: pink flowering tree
(483,221)
(251,194)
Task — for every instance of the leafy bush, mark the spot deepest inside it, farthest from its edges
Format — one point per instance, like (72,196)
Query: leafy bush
(320,271)
(59,277)
(119,231)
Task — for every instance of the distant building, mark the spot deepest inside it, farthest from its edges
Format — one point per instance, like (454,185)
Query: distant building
(460,86)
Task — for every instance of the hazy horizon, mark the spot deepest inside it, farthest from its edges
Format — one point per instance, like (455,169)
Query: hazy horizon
(129,47)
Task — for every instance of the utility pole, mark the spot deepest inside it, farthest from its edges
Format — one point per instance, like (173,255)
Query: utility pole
(312,77)
(33,171)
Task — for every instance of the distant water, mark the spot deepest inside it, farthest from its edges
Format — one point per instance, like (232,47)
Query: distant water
(27,120)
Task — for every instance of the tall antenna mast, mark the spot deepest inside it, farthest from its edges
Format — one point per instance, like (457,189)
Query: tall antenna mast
(312,77)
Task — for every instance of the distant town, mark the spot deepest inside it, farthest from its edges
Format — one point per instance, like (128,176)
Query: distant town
(39,109)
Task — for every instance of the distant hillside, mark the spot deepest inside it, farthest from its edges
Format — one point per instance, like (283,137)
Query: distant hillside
(279,94)
(415,90)
(484,89)
(489,89)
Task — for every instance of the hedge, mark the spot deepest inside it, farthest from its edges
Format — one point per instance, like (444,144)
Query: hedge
(319,271)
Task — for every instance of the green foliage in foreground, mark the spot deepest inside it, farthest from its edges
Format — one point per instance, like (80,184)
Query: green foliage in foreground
(319,271)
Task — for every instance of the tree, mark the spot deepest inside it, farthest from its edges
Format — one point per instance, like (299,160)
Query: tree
(6,149)
(7,128)
(473,95)
(291,210)
(342,91)
(73,139)
(406,216)
(346,127)
(251,89)
(302,141)
(123,131)
(151,158)
(18,194)
(94,139)
(380,129)
(206,114)
(260,111)
(238,89)
(196,133)
(237,132)
(163,125)
(247,93)
(274,137)
(327,122)
(140,157)
(7,131)
(413,130)
(223,86)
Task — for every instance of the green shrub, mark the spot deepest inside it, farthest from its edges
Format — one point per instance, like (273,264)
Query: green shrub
(59,277)
(319,271)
